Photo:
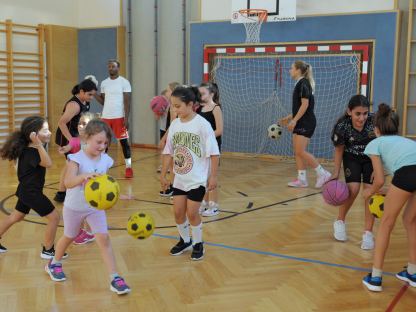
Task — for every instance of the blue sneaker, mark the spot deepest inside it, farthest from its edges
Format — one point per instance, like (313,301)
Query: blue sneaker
(55,271)
(119,286)
(405,276)
(372,283)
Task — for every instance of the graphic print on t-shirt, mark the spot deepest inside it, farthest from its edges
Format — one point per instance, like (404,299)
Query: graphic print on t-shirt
(184,143)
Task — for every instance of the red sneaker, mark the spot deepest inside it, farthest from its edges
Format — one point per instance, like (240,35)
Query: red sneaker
(129,173)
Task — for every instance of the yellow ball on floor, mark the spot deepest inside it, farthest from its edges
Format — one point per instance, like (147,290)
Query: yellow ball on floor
(376,205)
(102,192)
(140,225)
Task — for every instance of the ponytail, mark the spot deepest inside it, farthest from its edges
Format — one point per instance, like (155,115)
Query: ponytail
(386,120)
(306,71)
(18,140)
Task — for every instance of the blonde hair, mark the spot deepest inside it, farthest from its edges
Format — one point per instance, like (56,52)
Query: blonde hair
(173,85)
(306,71)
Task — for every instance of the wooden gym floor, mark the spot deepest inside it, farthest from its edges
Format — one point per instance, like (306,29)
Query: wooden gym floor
(270,249)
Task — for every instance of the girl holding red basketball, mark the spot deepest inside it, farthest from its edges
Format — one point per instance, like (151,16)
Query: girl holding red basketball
(170,117)
(350,136)
(397,155)
(83,165)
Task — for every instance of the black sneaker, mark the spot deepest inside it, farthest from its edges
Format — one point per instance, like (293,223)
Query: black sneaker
(59,197)
(2,249)
(167,193)
(49,254)
(198,252)
(180,247)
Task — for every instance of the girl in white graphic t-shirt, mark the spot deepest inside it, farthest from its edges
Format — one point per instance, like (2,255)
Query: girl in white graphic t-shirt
(192,145)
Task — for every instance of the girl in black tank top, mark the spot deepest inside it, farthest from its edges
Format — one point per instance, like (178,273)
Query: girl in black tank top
(82,94)
(209,115)
(211,111)
(72,125)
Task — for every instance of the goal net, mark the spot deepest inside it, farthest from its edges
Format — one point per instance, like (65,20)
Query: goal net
(256,90)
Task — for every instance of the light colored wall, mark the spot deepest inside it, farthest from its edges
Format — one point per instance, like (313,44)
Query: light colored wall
(170,58)
(221,9)
(98,13)
(72,13)
(142,76)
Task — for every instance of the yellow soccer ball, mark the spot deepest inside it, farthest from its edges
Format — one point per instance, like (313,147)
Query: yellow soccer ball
(102,192)
(376,205)
(140,225)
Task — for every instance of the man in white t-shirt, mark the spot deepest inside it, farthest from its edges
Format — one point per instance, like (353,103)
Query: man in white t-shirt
(115,98)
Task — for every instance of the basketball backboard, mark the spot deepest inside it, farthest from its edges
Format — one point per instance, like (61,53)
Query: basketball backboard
(278,10)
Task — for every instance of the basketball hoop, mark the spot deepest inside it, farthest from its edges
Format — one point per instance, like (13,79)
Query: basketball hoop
(252,20)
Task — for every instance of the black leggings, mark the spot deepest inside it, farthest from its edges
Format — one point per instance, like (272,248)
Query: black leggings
(126,148)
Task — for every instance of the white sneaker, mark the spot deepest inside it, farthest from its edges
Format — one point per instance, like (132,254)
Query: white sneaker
(298,183)
(204,206)
(322,179)
(368,241)
(210,212)
(340,233)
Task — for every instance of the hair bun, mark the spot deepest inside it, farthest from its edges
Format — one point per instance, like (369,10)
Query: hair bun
(384,109)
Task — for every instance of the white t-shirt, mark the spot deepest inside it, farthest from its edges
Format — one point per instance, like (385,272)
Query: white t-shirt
(114,100)
(74,198)
(191,144)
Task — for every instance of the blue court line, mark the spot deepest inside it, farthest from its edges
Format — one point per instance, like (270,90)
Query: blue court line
(282,256)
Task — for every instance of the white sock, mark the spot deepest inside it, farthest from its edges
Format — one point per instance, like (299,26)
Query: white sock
(184,231)
(376,272)
(213,204)
(54,261)
(320,170)
(204,203)
(302,175)
(411,268)
(128,162)
(196,234)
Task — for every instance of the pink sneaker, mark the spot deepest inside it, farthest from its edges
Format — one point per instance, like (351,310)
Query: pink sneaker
(298,183)
(90,237)
(83,237)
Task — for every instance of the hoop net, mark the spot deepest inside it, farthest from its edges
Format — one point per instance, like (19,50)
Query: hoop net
(252,20)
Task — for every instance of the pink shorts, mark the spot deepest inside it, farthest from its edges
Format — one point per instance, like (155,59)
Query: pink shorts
(96,219)
(117,125)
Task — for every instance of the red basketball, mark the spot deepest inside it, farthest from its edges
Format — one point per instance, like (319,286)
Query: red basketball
(335,192)
(159,105)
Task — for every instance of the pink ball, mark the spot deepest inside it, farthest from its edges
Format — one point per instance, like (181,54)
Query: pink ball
(159,104)
(335,192)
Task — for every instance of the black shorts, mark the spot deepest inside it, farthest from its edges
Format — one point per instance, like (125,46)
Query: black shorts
(305,129)
(41,204)
(161,133)
(404,178)
(194,194)
(357,168)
